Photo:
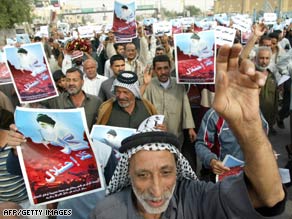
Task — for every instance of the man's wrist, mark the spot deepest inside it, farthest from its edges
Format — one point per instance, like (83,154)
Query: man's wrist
(212,162)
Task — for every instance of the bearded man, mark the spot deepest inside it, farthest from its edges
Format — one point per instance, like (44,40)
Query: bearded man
(75,97)
(153,179)
(269,93)
(127,108)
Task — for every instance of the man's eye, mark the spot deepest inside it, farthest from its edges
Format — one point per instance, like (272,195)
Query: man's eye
(166,173)
(142,175)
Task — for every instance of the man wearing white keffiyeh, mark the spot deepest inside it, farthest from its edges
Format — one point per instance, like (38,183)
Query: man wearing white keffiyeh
(153,181)
(121,177)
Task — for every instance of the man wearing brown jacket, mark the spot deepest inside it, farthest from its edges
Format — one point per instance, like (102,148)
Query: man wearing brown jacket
(127,109)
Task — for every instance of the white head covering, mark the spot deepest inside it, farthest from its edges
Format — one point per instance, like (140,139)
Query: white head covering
(128,80)
(150,141)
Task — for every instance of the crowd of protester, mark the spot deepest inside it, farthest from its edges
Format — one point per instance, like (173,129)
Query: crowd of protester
(93,76)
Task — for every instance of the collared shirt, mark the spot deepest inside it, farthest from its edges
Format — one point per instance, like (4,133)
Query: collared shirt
(119,117)
(108,72)
(137,67)
(105,92)
(173,103)
(92,86)
(63,101)
(191,200)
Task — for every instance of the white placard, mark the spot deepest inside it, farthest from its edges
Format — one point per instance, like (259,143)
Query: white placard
(241,22)
(224,35)
(187,22)
(44,31)
(85,31)
(270,18)
(161,28)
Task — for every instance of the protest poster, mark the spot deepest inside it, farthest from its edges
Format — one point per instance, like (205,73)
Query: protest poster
(57,160)
(176,26)
(235,165)
(63,27)
(270,18)
(186,22)
(5,76)
(98,28)
(123,40)
(86,31)
(148,25)
(23,38)
(241,22)
(30,72)
(162,28)
(110,136)
(10,41)
(222,19)
(195,57)
(124,22)
(224,35)
(205,24)
(44,31)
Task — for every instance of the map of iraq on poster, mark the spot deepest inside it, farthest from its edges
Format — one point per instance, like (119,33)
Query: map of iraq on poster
(30,72)
(124,22)
(57,160)
(195,57)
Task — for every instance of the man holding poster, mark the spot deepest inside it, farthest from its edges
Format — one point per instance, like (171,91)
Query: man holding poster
(124,22)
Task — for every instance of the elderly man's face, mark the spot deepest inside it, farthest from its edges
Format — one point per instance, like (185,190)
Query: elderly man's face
(124,97)
(90,68)
(153,178)
(263,59)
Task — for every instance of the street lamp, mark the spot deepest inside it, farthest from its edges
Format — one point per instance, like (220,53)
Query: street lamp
(103,8)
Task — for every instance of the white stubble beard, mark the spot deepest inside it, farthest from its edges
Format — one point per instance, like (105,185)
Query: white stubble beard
(141,199)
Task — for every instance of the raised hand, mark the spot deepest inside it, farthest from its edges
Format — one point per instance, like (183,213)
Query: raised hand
(259,29)
(237,87)
(237,101)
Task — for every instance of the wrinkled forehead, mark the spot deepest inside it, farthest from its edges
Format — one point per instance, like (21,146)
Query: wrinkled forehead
(145,159)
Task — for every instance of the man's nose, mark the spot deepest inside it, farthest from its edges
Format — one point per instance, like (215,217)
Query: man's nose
(156,187)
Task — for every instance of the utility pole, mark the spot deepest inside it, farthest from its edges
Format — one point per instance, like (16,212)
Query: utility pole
(279,8)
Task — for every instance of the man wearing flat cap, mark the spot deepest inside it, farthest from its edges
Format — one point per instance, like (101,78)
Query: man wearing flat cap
(127,108)
(153,179)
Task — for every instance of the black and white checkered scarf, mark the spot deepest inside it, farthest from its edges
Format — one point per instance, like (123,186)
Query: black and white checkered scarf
(121,178)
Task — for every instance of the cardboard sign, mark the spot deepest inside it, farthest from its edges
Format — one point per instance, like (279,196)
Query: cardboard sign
(241,22)
(162,27)
(270,18)
(85,31)
(224,35)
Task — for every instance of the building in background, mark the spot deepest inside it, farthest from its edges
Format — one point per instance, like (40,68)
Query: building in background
(251,6)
